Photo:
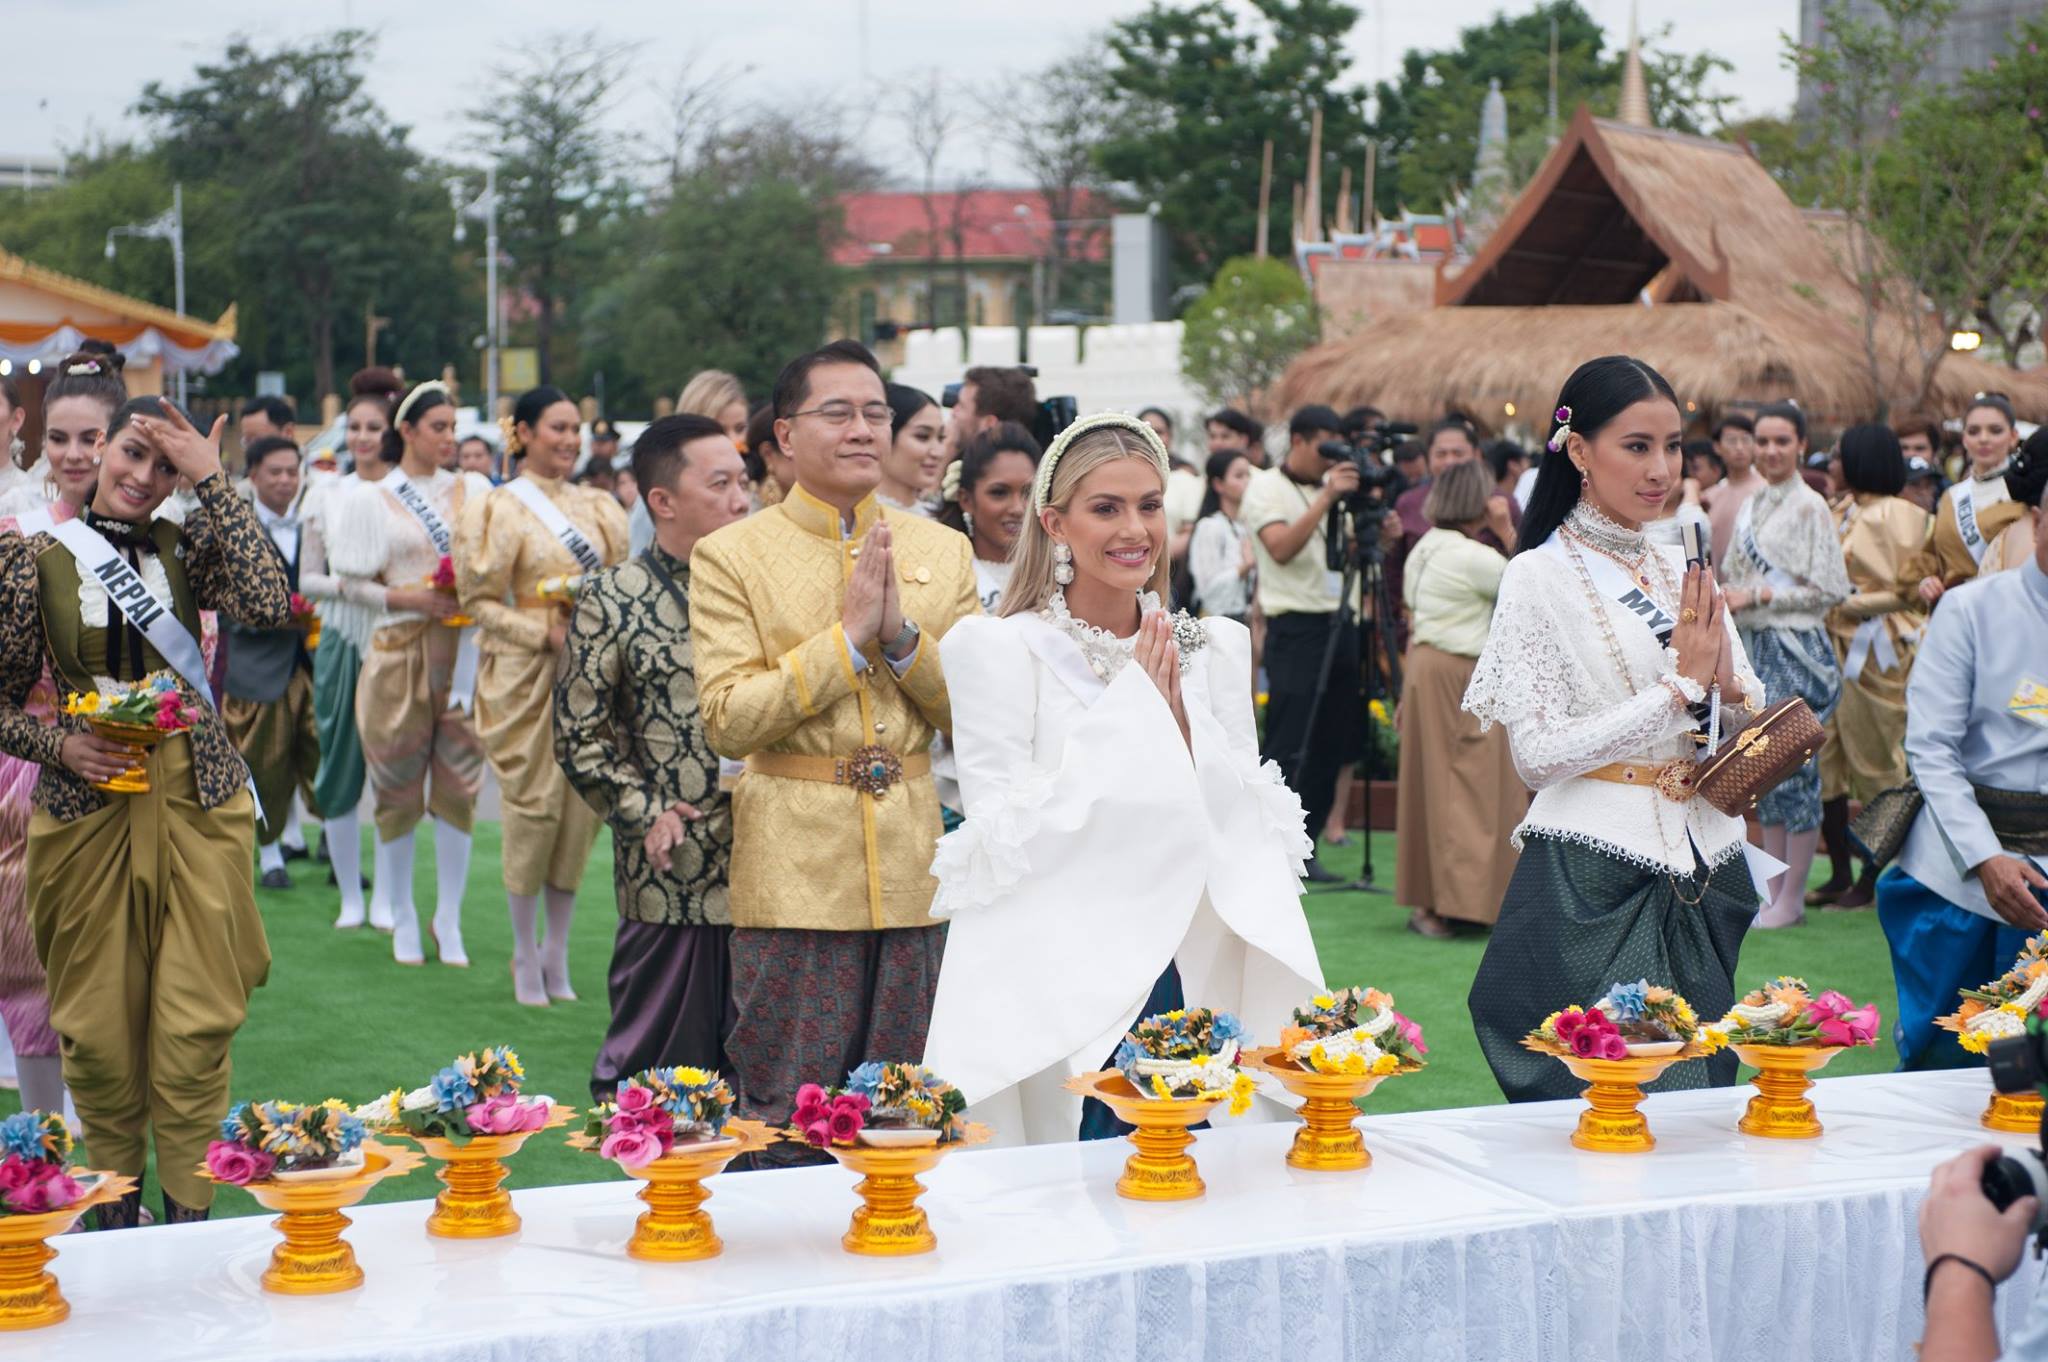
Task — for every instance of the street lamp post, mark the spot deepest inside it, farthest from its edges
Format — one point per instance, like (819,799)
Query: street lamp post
(166,226)
(484,209)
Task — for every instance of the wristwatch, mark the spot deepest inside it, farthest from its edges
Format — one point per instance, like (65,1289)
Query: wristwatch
(899,647)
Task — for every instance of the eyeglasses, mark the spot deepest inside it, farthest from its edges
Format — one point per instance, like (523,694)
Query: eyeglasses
(839,415)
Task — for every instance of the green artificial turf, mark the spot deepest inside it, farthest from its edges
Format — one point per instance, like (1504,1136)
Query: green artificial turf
(340,1019)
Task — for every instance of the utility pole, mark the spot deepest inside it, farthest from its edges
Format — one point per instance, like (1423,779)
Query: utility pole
(166,226)
(484,209)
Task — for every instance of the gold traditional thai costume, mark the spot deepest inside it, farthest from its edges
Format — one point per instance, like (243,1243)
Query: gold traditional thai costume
(1947,554)
(142,904)
(834,955)
(1874,632)
(503,554)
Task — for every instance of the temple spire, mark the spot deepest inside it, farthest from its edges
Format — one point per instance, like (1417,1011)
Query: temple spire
(1635,93)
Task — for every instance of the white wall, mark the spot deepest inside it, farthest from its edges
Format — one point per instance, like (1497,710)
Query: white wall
(1104,368)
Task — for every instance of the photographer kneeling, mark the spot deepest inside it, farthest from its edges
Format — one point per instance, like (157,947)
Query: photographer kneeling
(1970,1247)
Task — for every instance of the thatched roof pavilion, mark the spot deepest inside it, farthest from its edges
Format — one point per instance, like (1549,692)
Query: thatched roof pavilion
(1680,250)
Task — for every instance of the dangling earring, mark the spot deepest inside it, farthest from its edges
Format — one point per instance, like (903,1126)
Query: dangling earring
(1062,563)
(15,449)
(967,519)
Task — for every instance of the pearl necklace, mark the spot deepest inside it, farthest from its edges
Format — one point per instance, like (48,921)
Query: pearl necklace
(1630,548)
(1106,653)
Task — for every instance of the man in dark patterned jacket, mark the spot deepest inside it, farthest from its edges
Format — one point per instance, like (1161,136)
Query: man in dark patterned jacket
(628,735)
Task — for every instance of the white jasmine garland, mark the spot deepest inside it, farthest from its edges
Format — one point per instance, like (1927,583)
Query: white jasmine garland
(1381,1020)
(420,1099)
(1759,1018)
(1357,1041)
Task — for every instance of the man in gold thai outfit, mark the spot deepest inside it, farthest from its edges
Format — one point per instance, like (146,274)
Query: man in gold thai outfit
(816,626)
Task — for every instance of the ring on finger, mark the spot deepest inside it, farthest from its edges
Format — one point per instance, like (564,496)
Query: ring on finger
(1688,615)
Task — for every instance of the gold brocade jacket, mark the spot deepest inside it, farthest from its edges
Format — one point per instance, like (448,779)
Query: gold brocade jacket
(774,675)
(1945,555)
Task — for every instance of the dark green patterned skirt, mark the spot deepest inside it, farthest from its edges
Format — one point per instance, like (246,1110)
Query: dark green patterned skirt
(1576,920)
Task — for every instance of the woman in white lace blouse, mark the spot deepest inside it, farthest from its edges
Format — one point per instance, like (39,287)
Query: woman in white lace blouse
(1785,571)
(1603,664)
(1124,850)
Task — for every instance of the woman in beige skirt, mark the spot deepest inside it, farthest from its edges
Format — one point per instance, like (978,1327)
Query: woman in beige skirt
(1459,796)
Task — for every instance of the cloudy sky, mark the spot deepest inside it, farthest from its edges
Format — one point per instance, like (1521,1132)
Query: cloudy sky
(72,72)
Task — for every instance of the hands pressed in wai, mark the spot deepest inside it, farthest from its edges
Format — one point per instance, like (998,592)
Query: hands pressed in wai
(872,608)
(1159,655)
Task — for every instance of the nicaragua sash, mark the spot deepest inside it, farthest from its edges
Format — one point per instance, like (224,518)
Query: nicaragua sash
(1745,543)
(550,515)
(468,656)
(1966,521)
(157,621)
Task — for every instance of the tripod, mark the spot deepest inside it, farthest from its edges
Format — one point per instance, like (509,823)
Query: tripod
(1355,550)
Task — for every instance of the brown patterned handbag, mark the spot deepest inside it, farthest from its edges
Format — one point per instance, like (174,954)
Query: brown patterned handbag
(1753,761)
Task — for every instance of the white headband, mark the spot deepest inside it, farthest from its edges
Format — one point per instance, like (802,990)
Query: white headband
(437,386)
(1041,491)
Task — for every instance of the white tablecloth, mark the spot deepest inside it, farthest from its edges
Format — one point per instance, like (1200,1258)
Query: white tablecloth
(1477,1234)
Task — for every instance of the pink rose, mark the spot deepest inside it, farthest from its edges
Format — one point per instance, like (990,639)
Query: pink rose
(1612,1046)
(855,1100)
(810,1095)
(632,1100)
(1586,1043)
(52,1192)
(1857,1026)
(809,1114)
(1411,1033)
(819,1134)
(506,1114)
(1567,1025)
(631,1148)
(15,1174)
(1828,1004)
(237,1164)
(844,1124)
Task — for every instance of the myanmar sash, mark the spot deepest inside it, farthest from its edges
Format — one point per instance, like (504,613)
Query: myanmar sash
(1610,581)
(550,515)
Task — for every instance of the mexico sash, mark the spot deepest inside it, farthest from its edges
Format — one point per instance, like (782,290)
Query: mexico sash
(157,621)
(468,656)
(550,515)
(1966,520)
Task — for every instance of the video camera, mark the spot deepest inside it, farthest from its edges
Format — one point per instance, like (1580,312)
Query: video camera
(1053,415)
(1378,484)
(2019,1064)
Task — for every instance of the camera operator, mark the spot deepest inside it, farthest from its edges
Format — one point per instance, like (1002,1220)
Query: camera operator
(1970,1246)
(987,397)
(1969,887)
(1287,508)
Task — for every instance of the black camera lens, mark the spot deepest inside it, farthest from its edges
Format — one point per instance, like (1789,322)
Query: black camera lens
(2016,1063)
(2007,1179)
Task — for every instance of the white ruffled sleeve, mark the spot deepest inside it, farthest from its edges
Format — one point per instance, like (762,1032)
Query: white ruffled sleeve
(1002,790)
(1230,700)
(1531,680)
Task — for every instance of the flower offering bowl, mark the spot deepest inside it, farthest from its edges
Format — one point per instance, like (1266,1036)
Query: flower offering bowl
(1161,1169)
(472,1204)
(2019,1113)
(1327,1142)
(1781,1110)
(29,1298)
(889,1223)
(314,1259)
(138,739)
(1611,1124)
(675,1227)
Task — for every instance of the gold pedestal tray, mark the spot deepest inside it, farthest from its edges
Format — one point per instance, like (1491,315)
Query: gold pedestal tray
(1161,1169)
(2016,1112)
(1327,1142)
(138,739)
(472,1204)
(675,1227)
(889,1223)
(29,1298)
(314,1259)
(1781,1110)
(1611,1124)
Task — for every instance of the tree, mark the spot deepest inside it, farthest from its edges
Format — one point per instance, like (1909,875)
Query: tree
(1053,124)
(557,164)
(1787,153)
(309,193)
(934,120)
(1427,118)
(1240,336)
(2015,311)
(1196,94)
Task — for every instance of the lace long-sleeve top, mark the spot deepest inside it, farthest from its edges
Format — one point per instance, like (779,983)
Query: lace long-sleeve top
(1795,531)
(1549,675)
(372,543)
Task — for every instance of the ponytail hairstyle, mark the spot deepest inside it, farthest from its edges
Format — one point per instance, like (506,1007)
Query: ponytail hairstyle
(1079,450)
(93,371)
(1598,391)
(379,387)
(761,439)
(527,412)
(965,473)
(1213,471)
(2028,475)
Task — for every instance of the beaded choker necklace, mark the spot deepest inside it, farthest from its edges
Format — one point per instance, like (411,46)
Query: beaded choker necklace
(1607,537)
(1105,652)
(123,532)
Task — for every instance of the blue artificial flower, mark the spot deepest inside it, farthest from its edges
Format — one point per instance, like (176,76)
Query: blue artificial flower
(452,1088)
(1226,1027)
(231,1130)
(1629,1000)
(1126,1055)
(866,1079)
(348,1132)
(22,1134)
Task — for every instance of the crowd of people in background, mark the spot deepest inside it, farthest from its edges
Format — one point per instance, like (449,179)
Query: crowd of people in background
(625,636)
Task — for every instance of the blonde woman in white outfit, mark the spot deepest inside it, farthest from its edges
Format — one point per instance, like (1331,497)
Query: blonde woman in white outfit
(1124,849)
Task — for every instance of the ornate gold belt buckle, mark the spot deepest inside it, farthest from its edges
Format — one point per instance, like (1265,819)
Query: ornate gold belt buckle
(1674,780)
(872,769)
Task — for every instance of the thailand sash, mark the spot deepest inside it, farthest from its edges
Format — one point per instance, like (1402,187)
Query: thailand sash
(468,656)
(1745,543)
(157,621)
(1966,521)
(550,515)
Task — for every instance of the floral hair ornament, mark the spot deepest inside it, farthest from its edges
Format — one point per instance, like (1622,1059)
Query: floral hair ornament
(434,386)
(949,482)
(1564,429)
(1041,490)
(80,368)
